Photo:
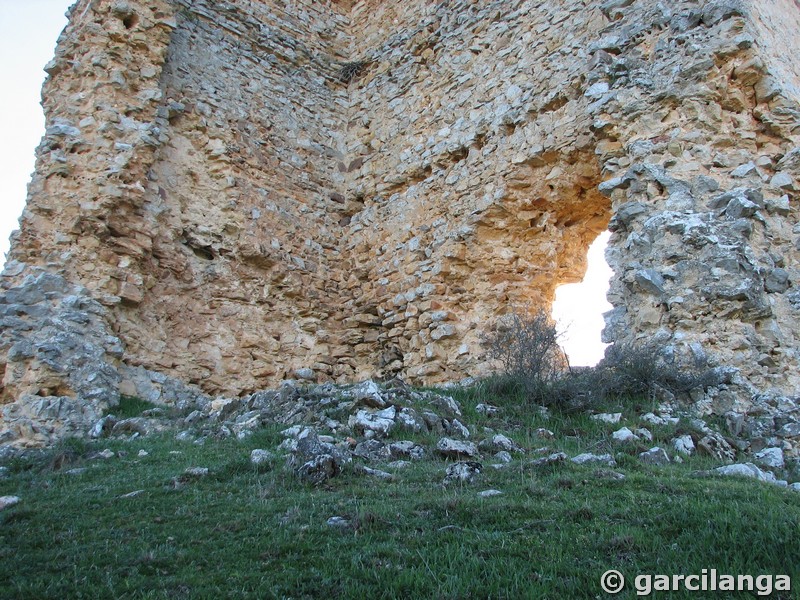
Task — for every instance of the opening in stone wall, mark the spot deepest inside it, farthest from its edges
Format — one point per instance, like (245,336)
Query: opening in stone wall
(578,308)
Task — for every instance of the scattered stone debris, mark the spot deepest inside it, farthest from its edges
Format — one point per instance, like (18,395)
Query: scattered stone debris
(499,443)
(196,471)
(503,456)
(457,428)
(331,425)
(374,473)
(368,394)
(319,469)
(373,423)
(260,457)
(132,494)
(553,459)
(612,418)
(655,456)
(462,472)
(456,449)
(137,426)
(747,470)
(684,445)
(594,459)
(490,493)
(103,427)
(315,461)
(715,446)
(654,419)
(406,449)
(790,430)
(487,409)
(339,523)
(625,435)
(772,458)
(446,405)
(608,474)
(372,449)
(409,420)
(8,501)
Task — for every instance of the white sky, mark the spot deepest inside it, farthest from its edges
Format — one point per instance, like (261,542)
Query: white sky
(579,307)
(28,33)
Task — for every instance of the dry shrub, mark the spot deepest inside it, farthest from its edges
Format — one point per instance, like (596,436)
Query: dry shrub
(533,366)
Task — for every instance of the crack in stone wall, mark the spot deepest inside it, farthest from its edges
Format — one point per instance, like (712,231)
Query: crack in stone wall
(248,210)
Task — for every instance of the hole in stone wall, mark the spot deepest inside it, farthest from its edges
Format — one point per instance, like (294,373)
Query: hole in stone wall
(203,252)
(199,250)
(509,128)
(60,390)
(578,308)
(460,154)
(130,21)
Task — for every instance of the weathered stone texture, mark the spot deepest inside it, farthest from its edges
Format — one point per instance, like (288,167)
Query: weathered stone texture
(256,189)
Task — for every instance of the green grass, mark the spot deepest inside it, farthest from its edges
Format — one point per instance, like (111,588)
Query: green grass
(130,407)
(254,532)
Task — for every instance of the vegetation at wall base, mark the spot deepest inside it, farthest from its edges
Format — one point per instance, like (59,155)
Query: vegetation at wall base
(137,526)
(534,369)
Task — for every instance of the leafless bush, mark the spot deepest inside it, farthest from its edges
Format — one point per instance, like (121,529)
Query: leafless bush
(641,369)
(534,368)
(352,70)
(527,348)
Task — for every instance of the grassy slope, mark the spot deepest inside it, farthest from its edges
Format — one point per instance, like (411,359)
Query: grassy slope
(244,531)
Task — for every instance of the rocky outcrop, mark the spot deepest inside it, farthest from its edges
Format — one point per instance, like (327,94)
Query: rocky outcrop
(254,191)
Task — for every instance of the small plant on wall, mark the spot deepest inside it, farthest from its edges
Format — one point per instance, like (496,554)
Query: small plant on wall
(352,70)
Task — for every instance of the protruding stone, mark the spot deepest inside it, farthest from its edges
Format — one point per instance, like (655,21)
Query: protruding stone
(556,458)
(8,502)
(772,458)
(684,445)
(406,449)
(594,459)
(655,456)
(260,457)
(624,435)
(379,422)
(450,448)
(607,417)
(462,472)
(715,446)
(319,469)
(748,470)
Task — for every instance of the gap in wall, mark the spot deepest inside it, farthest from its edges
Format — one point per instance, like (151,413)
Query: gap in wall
(578,308)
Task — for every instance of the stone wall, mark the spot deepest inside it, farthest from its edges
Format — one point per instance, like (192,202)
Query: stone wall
(203,176)
(257,190)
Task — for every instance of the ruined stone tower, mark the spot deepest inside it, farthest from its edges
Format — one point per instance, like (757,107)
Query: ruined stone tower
(230,192)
